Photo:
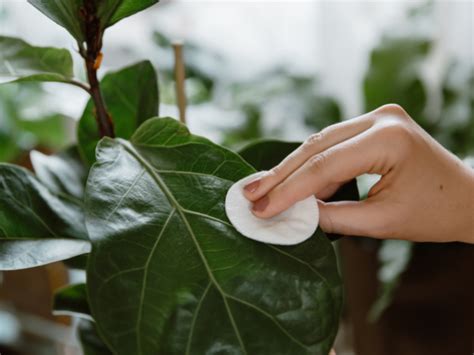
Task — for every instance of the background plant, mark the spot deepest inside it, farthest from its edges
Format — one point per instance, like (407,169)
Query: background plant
(166,272)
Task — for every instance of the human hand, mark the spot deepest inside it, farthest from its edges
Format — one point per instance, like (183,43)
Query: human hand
(425,192)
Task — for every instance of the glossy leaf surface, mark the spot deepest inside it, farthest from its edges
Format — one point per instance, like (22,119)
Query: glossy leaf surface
(24,62)
(131,95)
(67,13)
(31,217)
(168,274)
(16,254)
(63,173)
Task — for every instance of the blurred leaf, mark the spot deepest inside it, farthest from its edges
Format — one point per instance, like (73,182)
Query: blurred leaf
(24,62)
(28,210)
(65,13)
(455,127)
(267,153)
(168,274)
(68,13)
(63,173)
(394,75)
(90,340)
(250,130)
(394,257)
(72,300)
(322,111)
(131,95)
(16,254)
(50,131)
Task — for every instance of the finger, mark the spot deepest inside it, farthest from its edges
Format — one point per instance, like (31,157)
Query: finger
(358,218)
(351,158)
(314,144)
(332,352)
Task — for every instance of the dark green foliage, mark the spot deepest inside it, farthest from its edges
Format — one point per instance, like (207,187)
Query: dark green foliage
(188,281)
(131,95)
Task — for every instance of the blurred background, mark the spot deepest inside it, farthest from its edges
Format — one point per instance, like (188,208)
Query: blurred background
(283,70)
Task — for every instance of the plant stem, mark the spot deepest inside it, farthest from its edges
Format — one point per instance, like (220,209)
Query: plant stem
(79,84)
(93,56)
(104,121)
(180,76)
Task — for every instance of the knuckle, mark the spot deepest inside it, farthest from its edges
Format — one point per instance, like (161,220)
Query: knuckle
(393,110)
(317,162)
(273,172)
(313,140)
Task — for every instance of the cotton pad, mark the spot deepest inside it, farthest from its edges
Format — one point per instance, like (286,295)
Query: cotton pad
(292,226)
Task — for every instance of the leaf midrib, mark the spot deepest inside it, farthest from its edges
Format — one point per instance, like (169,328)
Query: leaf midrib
(154,173)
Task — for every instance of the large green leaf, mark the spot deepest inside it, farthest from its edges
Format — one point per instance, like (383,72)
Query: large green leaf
(24,62)
(168,274)
(131,95)
(67,13)
(31,217)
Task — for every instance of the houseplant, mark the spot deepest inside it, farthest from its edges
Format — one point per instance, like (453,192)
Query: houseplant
(139,205)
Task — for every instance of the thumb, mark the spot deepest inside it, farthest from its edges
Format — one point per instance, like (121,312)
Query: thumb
(357,218)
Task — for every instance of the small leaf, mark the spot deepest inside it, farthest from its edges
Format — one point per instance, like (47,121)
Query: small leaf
(16,254)
(131,95)
(72,300)
(168,274)
(24,62)
(68,14)
(112,11)
(65,13)
(63,173)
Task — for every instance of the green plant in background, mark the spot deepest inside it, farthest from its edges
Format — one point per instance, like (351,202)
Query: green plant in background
(394,75)
(166,271)
(21,131)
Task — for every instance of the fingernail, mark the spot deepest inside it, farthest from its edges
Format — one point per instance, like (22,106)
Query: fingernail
(261,204)
(253,186)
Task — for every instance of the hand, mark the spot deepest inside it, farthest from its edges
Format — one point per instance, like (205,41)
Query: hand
(425,192)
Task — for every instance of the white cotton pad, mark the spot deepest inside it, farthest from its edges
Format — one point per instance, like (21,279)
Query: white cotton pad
(292,226)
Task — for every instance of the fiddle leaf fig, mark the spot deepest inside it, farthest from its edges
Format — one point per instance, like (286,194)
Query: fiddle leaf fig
(16,254)
(70,13)
(36,226)
(131,95)
(168,273)
(24,62)
(63,173)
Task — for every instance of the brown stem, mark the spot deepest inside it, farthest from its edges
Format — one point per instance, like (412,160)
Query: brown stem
(93,56)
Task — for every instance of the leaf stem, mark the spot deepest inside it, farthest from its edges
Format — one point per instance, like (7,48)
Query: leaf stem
(93,56)
(81,85)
